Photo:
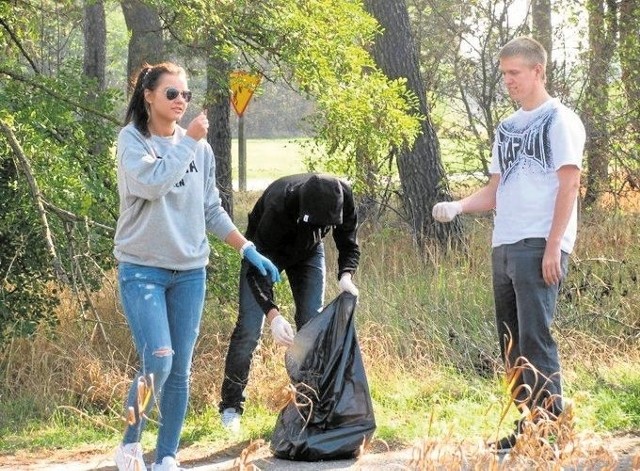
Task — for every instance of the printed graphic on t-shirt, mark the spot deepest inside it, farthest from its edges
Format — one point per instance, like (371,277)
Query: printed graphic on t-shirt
(525,148)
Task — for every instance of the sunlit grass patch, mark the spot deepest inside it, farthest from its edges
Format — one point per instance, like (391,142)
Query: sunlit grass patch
(59,430)
(435,401)
(269,159)
(608,398)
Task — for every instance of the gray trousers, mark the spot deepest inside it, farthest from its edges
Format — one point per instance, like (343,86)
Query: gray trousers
(525,307)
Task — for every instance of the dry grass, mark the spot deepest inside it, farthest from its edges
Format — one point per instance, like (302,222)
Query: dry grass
(438,454)
(413,317)
(244,461)
(544,442)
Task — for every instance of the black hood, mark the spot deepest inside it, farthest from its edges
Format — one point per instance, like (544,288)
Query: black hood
(321,201)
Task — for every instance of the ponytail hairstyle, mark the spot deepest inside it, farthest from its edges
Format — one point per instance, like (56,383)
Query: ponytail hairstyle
(146,79)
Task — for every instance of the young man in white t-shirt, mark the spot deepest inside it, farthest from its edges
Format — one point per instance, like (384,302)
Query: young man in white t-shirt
(533,187)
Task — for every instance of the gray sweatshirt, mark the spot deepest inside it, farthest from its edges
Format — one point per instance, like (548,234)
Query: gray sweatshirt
(168,200)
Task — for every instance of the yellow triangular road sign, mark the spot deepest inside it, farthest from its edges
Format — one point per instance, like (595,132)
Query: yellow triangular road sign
(243,84)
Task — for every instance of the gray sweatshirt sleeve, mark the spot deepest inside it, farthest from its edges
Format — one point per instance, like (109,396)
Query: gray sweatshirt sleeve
(216,217)
(147,175)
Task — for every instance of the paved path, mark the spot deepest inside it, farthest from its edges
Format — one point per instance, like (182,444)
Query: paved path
(624,451)
(395,460)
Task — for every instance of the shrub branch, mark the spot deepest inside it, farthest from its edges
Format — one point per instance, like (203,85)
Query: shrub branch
(23,163)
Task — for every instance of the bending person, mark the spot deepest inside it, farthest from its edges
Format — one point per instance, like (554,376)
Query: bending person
(288,224)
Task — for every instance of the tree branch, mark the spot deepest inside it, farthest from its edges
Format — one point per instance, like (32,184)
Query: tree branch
(23,163)
(83,284)
(19,44)
(71,217)
(58,96)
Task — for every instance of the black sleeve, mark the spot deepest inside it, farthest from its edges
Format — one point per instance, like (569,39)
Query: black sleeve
(262,289)
(345,235)
(268,221)
(254,218)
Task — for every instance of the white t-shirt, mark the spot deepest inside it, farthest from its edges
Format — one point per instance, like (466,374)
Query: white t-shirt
(529,147)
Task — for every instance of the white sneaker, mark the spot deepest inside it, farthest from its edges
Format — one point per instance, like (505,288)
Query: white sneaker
(168,464)
(129,457)
(230,420)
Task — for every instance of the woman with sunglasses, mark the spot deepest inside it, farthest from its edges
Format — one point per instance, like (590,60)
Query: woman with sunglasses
(168,202)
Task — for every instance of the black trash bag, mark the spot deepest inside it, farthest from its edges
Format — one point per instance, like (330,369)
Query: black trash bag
(332,415)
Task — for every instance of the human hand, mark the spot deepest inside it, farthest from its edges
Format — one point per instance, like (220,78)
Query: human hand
(262,263)
(281,331)
(552,265)
(346,284)
(446,211)
(198,126)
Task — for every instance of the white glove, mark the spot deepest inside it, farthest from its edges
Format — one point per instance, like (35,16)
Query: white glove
(281,331)
(347,285)
(446,211)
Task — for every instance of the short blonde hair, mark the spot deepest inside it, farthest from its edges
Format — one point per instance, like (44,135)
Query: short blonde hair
(529,49)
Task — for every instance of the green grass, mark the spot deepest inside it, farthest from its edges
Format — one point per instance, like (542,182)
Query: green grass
(270,158)
(439,403)
(60,429)
(607,398)
(408,407)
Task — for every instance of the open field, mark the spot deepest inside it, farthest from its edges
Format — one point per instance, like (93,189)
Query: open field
(268,159)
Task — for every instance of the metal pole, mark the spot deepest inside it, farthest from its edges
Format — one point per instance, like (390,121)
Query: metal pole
(242,156)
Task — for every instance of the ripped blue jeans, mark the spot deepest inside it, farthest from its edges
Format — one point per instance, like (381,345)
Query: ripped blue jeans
(163,309)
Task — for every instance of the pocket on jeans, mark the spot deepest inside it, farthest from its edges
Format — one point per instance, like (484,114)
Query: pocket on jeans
(535,242)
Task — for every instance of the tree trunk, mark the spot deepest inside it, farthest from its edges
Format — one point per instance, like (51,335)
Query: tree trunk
(602,31)
(219,135)
(145,44)
(95,39)
(94,66)
(630,59)
(543,32)
(421,172)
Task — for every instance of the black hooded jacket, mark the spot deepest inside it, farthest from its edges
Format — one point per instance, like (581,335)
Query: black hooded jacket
(292,217)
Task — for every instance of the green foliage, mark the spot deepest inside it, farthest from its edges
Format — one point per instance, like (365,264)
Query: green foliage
(24,297)
(223,272)
(321,47)
(66,149)
(362,115)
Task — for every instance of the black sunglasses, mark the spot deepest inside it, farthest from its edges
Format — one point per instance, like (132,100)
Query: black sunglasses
(172,93)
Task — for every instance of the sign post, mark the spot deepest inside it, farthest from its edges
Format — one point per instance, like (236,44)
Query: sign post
(243,84)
